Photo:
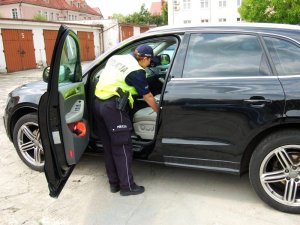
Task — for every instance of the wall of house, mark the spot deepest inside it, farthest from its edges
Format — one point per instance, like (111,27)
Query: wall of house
(5,10)
(110,33)
(195,14)
(2,57)
(29,11)
(136,30)
(38,38)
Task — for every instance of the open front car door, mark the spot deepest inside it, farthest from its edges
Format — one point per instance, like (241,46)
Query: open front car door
(62,112)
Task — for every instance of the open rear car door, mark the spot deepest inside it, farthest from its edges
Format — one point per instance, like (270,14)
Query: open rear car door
(62,112)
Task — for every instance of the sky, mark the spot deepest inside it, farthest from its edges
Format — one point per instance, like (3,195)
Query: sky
(125,7)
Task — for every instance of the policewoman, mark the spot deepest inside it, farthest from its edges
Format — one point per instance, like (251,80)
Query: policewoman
(122,77)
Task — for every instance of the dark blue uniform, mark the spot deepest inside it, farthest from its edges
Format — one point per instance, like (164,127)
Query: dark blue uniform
(114,127)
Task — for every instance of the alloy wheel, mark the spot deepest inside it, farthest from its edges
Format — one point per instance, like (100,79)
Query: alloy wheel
(280,175)
(29,143)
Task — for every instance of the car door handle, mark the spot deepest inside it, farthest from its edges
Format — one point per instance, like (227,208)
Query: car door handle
(258,101)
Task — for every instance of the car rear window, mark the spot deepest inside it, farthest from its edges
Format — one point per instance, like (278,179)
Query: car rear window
(285,55)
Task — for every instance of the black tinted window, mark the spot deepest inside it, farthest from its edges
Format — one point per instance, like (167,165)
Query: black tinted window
(219,55)
(285,55)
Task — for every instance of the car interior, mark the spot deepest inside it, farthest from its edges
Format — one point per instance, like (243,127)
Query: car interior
(143,118)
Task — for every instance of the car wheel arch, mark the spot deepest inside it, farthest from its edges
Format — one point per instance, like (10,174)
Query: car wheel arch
(17,114)
(247,154)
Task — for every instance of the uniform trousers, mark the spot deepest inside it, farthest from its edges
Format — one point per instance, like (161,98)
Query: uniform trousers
(114,127)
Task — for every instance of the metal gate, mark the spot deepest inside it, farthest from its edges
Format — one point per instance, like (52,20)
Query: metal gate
(49,39)
(87,47)
(18,49)
(126,31)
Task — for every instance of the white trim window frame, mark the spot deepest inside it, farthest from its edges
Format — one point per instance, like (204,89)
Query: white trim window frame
(14,13)
(186,4)
(203,4)
(45,14)
(222,3)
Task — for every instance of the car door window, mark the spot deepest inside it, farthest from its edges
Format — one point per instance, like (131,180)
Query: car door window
(69,69)
(160,46)
(285,55)
(219,55)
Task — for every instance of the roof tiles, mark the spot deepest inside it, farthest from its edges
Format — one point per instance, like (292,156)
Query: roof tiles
(56,4)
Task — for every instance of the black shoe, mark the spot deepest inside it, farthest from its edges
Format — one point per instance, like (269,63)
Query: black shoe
(135,190)
(114,189)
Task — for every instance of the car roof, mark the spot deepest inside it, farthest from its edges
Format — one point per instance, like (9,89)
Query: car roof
(239,26)
(292,31)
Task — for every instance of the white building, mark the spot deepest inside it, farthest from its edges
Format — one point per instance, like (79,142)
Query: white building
(203,11)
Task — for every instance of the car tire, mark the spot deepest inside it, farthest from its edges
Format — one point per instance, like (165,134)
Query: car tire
(27,141)
(275,170)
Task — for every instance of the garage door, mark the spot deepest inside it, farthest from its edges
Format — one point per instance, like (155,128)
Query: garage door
(49,39)
(144,29)
(87,47)
(18,49)
(126,31)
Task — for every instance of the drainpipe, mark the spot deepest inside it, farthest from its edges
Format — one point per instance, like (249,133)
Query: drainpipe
(20,9)
(120,31)
(101,39)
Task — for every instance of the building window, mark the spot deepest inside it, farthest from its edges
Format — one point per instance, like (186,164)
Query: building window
(70,17)
(14,13)
(238,19)
(186,21)
(52,16)
(186,4)
(222,20)
(46,15)
(57,16)
(78,4)
(204,20)
(222,3)
(203,4)
(238,3)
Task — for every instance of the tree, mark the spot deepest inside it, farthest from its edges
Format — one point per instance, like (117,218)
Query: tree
(165,14)
(119,17)
(271,11)
(39,17)
(142,17)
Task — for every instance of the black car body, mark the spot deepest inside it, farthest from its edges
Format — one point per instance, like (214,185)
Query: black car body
(229,102)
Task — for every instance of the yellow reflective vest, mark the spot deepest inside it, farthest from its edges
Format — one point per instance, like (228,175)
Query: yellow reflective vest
(113,76)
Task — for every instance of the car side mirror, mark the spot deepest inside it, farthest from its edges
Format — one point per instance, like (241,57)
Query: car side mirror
(164,59)
(46,74)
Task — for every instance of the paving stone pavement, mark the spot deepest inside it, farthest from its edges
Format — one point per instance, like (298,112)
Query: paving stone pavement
(173,195)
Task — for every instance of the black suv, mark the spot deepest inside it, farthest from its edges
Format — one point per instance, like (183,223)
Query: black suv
(229,101)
